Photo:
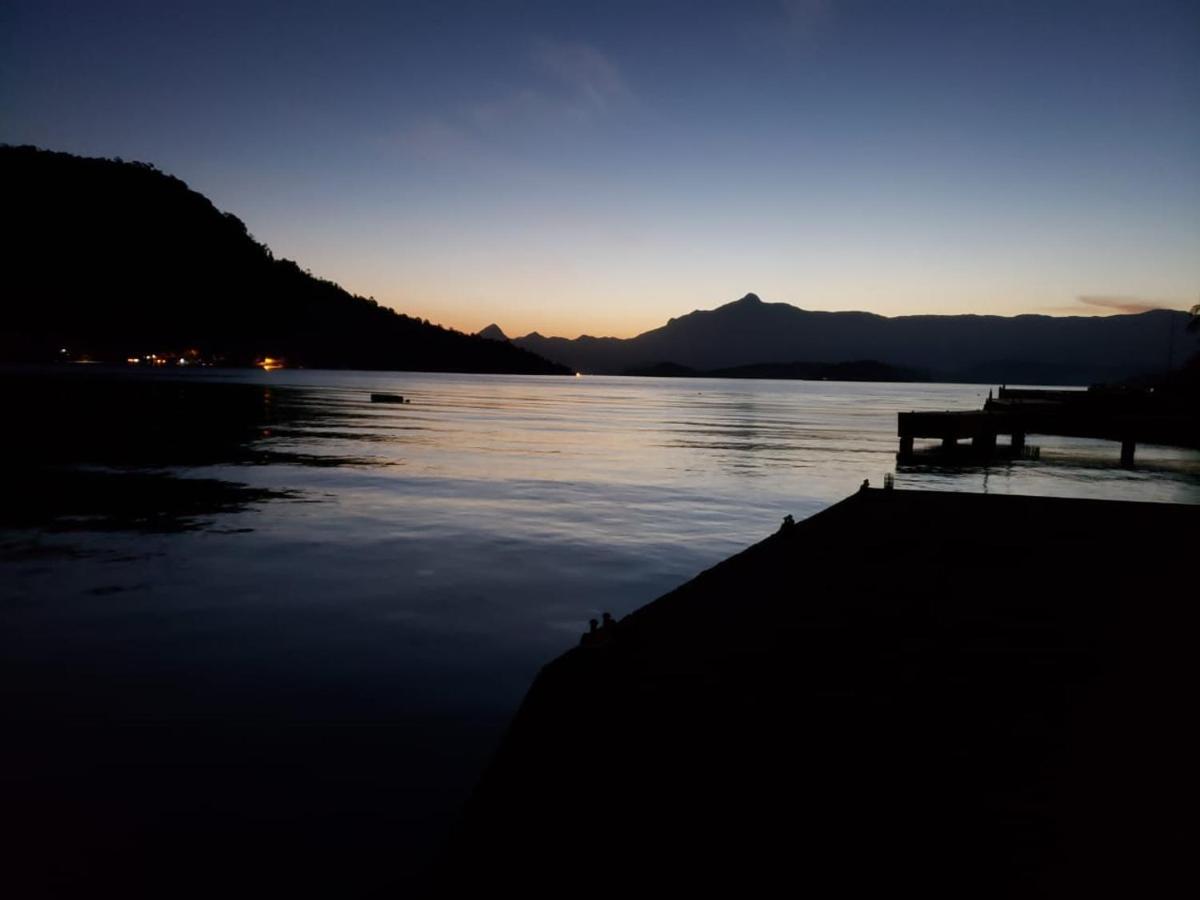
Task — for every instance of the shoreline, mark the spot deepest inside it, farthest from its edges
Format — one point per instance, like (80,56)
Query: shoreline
(945,690)
(13,367)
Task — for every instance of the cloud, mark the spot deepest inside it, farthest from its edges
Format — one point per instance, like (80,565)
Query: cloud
(1121,304)
(805,16)
(572,82)
(585,74)
(432,138)
(566,83)
(1101,304)
(790,24)
(521,105)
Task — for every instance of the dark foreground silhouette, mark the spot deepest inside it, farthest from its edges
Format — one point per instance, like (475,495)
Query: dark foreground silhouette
(111,260)
(927,693)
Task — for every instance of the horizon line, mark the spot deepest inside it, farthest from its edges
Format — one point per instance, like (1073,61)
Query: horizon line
(1092,310)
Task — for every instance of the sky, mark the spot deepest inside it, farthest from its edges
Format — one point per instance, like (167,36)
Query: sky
(575,167)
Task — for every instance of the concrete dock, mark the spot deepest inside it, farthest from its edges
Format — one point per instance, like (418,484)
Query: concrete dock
(927,692)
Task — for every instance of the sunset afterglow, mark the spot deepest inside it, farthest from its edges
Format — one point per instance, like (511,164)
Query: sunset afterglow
(485,447)
(568,170)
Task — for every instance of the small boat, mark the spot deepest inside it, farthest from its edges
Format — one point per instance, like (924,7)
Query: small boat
(388,398)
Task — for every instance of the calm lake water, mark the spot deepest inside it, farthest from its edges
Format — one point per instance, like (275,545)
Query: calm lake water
(314,623)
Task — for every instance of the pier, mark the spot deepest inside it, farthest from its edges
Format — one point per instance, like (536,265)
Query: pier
(1126,418)
(910,687)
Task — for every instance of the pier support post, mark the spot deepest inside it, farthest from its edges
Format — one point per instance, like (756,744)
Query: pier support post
(984,443)
(1127,448)
(1018,441)
(906,446)
(949,443)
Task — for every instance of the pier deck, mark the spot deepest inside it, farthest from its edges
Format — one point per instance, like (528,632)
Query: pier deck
(979,695)
(1017,413)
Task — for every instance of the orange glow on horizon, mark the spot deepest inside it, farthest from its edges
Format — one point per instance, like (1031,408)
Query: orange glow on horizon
(633,317)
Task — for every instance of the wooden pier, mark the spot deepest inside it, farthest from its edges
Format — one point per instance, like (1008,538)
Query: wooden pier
(1128,419)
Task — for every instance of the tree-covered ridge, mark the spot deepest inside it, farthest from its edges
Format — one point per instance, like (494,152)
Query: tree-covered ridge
(111,259)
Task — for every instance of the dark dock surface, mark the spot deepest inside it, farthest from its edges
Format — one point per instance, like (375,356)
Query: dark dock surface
(917,692)
(1129,418)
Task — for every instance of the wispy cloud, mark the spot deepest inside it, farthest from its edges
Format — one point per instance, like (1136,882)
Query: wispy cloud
(790,24)
(567,82)
(805,16)
(521,105)
(1122,304)
(1097,303)
(432,138)
(588,77)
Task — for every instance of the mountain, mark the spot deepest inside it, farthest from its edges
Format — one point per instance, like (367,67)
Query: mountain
(492,333)
(108,259)
(1019,349)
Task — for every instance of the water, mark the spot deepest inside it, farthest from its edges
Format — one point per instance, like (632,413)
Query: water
(311,615)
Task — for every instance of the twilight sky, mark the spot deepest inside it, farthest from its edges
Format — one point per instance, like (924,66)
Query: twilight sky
(599,167)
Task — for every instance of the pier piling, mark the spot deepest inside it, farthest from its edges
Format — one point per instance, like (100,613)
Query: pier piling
(1101,415)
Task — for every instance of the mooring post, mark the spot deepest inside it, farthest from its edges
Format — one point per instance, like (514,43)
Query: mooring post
(1127,448)
(949,443)
(1018,441)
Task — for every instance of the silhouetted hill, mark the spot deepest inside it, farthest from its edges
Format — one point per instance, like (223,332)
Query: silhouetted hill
(859,370)
(1028,348)
(110,259)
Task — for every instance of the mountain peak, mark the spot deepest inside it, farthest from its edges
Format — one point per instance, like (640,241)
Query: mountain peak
(749,299)
(492,332)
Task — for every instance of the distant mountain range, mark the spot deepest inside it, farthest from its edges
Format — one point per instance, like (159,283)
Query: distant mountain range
(107,260)
(778,337)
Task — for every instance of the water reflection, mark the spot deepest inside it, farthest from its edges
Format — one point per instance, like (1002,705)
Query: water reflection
(310,608)
(112,451)
(76,499)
